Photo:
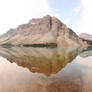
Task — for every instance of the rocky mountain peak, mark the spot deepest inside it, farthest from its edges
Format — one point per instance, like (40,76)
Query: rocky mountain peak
(47,17)
(86,36)
(46,30)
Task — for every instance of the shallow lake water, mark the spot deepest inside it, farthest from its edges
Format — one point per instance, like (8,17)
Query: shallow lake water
(30,69)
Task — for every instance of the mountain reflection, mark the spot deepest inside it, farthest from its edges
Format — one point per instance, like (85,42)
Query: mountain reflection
(87,52)
(41,60)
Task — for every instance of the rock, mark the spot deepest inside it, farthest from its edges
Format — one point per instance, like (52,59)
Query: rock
(86,37)
(46,30)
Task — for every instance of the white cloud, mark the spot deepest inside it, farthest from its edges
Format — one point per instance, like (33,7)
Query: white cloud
(85,23)
(15,12)
(77,10)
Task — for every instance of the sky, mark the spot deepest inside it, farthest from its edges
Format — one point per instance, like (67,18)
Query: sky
(76,14)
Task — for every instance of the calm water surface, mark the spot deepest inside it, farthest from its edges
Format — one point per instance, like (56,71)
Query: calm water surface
(45,70)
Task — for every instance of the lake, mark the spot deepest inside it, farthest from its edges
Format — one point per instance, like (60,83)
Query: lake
(28,69)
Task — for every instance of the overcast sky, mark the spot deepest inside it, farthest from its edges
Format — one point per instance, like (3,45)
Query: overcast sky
(76,14)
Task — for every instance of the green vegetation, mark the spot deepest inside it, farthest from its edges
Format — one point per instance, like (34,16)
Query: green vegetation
(41,45)
(7,45)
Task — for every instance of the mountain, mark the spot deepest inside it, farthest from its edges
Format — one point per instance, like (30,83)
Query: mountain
(86,36)
(42,31)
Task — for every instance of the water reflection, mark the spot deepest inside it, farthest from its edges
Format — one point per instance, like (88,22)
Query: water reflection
(86,54)
(44,70)
(40,60)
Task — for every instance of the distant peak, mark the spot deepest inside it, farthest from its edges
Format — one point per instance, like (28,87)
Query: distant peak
(48,15)
(85,34)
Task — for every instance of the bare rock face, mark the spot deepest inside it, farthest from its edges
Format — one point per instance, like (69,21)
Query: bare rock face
(46,30)
(86,36)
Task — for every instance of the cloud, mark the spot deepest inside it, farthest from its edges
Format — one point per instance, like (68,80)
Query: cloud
(15,12)
(85,23)
(77,10)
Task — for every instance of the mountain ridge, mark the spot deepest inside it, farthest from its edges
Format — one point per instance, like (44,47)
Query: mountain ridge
(86,36)
(46,30)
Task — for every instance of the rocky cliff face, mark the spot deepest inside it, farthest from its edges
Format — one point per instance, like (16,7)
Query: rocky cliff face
(86,37)
(46,30)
